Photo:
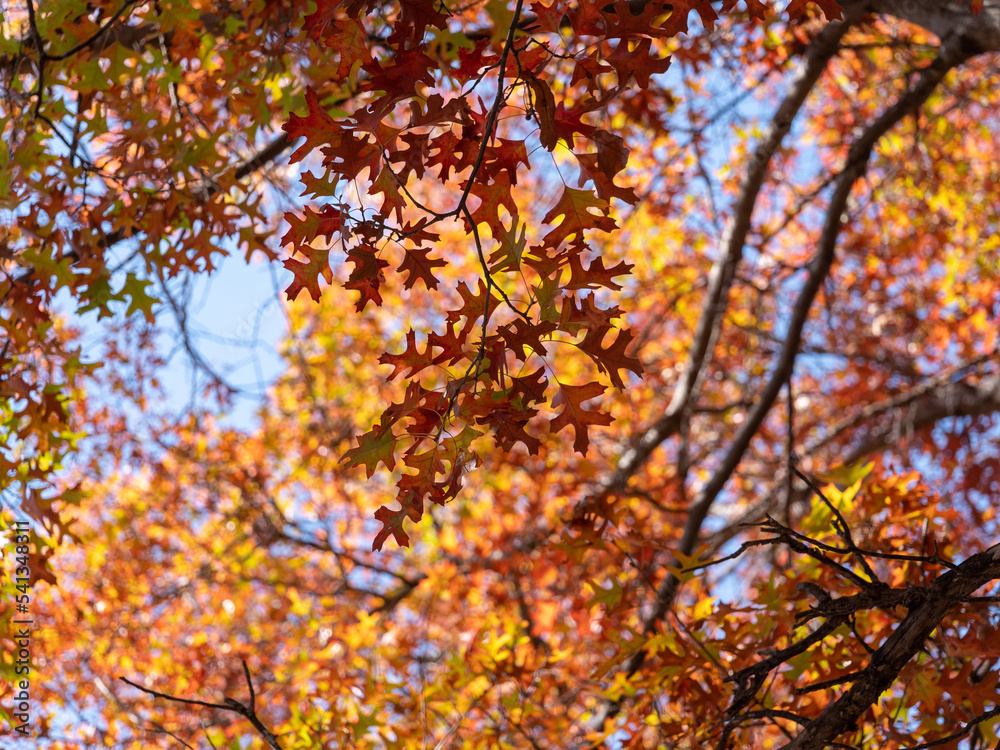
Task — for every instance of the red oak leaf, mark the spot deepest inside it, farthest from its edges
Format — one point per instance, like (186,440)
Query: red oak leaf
(418,266)
(349,155)
(612,156)
(604,185)
(507,256)
(392,200)
(520,334)
(315,185)
(544,104)
(622,22)
(307,274)
(415,397)
(506,156)
(301,232)
(427,463)
(639,63)
(473,305)
(374,447)
(571,398)
(317,127)
(612,359)
(492,197)
(472,61)
(367,275)
(436,111)
(576,207)
(596,275)
(452,152)
(530,388)
(315,23)
(400,77)
(411,358)
(569,123)
(417,233)
(392,525)
(507,424)
(548,17)
(414,158)
(349,39)
(451,345)
(586,315)
(415,17)
(416,489)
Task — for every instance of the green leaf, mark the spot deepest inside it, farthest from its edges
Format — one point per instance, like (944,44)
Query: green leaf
(135,288)
(373,447)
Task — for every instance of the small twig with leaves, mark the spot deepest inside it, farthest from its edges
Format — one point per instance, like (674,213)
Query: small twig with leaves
(246,710)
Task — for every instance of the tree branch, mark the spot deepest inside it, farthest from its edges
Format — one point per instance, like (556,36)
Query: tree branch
(720,279)
(855,167)
(246,710)
(946,20)
(947,591)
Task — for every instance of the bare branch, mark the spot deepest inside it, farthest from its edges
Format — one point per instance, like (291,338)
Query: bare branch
(947,591)
(246,710)
(951,54)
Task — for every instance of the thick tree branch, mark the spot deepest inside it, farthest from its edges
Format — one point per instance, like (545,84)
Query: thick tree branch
(946,20)
(720,279)
(937,388)
(855,167)
(950,400)
(909,637)
(926,404)
(927,606)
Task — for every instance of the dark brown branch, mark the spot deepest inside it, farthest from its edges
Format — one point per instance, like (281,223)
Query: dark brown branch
(821,50)
(819,53)
(749,679)
(930,390)
(246,710)
(832,682)
(968,727)
(950,19)
(952,400)
(843,530)
(952,54)
(943,595)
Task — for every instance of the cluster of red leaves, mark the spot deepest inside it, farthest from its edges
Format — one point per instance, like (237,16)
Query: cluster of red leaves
(404,131)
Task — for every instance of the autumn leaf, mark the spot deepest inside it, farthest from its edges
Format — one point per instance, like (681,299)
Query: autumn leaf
(411,359)
(307,274)
(312,226)
(545,111)
(367,276)
(392,525)
(317,127)
(374,447)
(418,266)
(613,358)
(575,208)
(573,414)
